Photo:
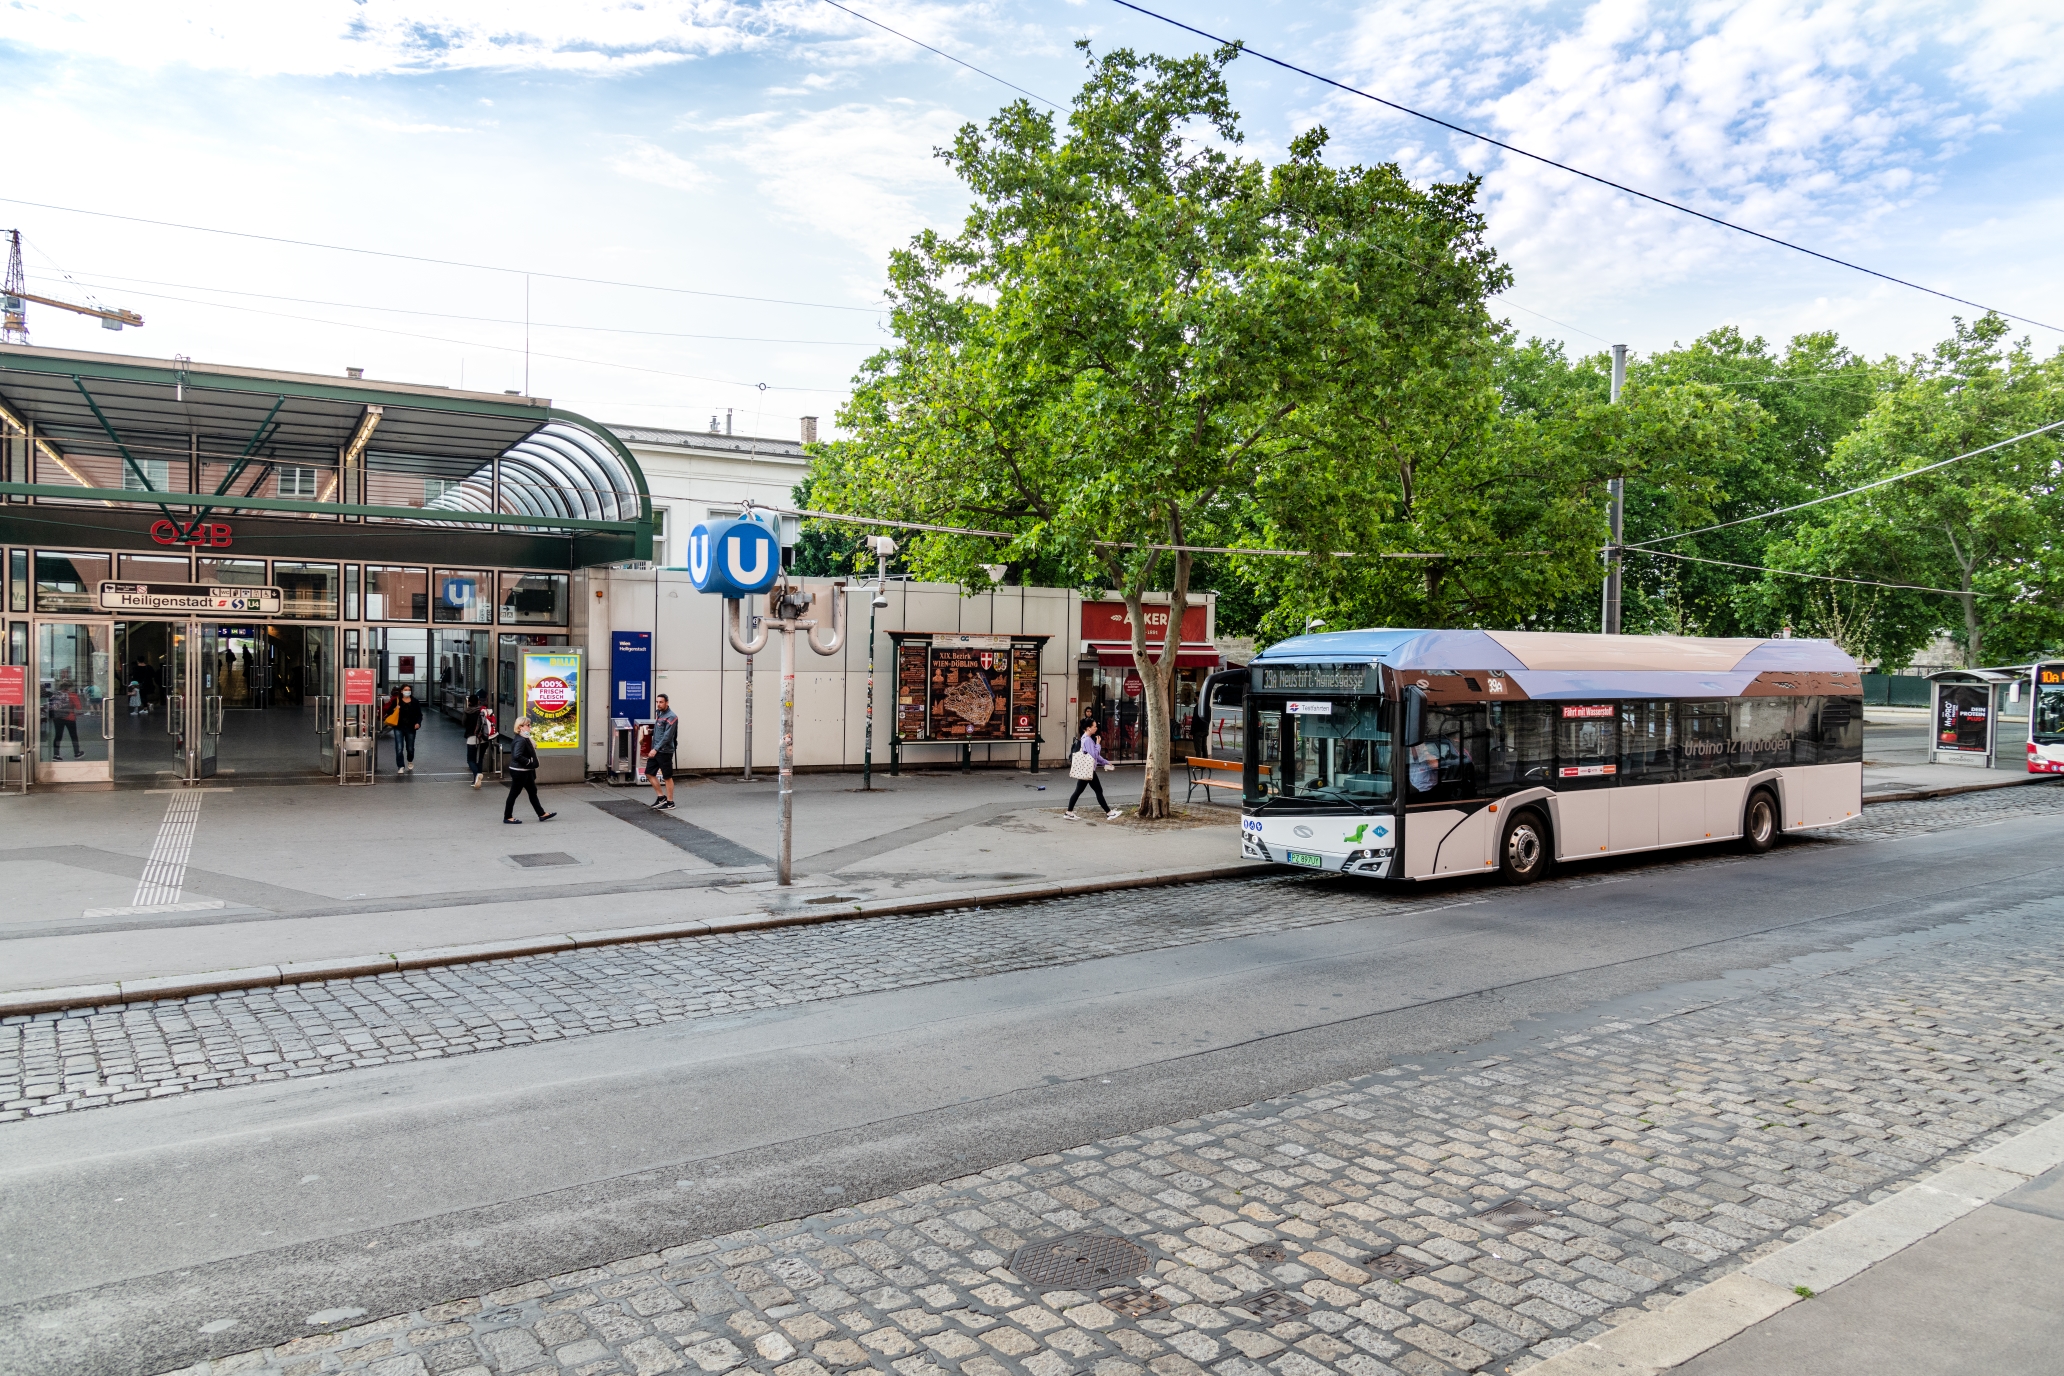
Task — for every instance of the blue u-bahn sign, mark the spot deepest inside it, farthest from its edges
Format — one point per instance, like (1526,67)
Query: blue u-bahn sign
(733,558)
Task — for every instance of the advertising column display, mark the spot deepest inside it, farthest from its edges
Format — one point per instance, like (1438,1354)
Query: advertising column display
(1966,706)
(967,688)
(551,683)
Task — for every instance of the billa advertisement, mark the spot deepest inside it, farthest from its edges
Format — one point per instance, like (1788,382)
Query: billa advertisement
(551,698)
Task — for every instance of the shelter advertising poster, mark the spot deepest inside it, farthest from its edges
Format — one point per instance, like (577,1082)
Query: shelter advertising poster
(950,689)
(552,697)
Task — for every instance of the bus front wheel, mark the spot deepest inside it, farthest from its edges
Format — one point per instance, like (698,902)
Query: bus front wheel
(1523,853)
(1759,822)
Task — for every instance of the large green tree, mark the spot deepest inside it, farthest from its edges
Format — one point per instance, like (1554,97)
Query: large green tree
(1140,342)
(1984,528)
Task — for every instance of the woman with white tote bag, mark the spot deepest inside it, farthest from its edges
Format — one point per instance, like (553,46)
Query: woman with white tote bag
(1083,766)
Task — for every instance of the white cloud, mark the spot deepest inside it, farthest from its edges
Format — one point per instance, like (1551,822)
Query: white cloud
(648,162)
(861,173)
(1813,120)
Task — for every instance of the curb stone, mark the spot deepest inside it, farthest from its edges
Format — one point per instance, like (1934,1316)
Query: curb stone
(31,1001)
(1667,1338)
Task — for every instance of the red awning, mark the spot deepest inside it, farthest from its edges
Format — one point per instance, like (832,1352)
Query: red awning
(1191,654)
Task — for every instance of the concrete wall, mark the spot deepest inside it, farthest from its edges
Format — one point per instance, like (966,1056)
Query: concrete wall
(705,679)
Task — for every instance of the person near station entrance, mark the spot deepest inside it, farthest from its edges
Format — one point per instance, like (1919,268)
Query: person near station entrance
(659,765)
(64,710)
(408,719)
(523,771)
(479,728)
(1083,767)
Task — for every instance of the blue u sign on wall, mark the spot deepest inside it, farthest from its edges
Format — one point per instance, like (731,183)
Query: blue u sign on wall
(733,558)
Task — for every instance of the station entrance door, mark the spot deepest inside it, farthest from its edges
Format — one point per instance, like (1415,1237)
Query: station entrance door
(267,687)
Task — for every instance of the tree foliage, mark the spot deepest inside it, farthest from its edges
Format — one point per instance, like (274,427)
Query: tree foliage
(1139,340)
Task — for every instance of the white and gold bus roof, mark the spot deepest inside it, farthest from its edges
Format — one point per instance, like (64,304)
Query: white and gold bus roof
(1493,666)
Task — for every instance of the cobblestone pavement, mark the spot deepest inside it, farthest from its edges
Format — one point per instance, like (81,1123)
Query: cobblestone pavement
(1349,1229)
(85,1058)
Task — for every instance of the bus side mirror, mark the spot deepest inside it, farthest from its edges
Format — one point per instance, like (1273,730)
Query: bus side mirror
(1415,715)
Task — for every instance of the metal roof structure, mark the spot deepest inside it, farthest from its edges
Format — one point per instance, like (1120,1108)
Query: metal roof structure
(192,440)
(1554,664)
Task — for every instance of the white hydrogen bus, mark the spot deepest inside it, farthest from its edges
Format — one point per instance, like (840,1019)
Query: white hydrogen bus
(1404,754)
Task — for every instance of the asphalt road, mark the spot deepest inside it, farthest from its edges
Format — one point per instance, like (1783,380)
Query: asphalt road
(127,1230)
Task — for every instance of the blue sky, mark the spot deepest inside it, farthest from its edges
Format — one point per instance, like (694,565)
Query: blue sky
(780,149)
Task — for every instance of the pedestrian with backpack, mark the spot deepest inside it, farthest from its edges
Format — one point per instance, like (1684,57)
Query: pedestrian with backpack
(523,771)
(1082,768)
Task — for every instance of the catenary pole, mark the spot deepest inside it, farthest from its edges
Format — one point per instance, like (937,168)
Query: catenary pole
(1617,512)
(883,547)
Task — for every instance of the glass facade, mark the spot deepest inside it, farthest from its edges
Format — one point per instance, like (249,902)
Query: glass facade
(308,592)
(395,593)
(533,599)
(67,582)
(464,596)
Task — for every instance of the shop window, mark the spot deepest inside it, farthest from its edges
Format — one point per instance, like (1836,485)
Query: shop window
(70,582)
(232,573)
(464,596)
(534,599)
(154,568)
(308,592)
(297,482)
(396,594)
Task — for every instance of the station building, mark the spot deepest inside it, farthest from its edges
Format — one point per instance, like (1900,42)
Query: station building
(215,570)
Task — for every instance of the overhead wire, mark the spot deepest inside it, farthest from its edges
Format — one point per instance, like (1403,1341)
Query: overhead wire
(1794,573)
(937,53)
(437,262)
(1580,172)
(125,285)
(496,348)
(1848,491)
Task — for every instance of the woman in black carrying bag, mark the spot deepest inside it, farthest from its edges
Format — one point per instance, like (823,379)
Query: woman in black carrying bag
(523,768)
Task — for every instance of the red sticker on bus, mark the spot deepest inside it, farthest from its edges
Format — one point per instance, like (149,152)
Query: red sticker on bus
(1588,771)
(1589,710)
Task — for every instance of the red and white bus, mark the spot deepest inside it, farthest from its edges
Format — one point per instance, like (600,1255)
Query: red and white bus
(1413,754)
(2046,718)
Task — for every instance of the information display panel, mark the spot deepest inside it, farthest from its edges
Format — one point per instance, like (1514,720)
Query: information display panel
(552,698)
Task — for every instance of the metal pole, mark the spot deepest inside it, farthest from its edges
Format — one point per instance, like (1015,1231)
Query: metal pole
(752,625)
(867,748)
(787,745)
(1617,512)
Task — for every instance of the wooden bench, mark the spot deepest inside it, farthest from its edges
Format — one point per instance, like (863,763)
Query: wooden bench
(1209,774)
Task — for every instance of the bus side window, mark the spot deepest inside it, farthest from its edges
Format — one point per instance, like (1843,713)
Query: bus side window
(1648,741)
(1764,732)
(1705,736)
(1838,730)
(1449,760)
(1522,741)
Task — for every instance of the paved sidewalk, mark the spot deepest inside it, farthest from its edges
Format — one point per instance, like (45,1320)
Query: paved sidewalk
(1962,1271)
(266,876)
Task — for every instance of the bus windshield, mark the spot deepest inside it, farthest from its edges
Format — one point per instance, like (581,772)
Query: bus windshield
(2046,719)
(1321,754)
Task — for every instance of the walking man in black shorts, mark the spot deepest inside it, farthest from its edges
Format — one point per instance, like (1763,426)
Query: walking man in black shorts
(659,765)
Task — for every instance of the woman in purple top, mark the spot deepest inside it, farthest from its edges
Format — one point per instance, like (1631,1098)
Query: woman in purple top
(1088,747)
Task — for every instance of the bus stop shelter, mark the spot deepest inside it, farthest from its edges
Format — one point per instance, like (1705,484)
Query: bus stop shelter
(1965,719)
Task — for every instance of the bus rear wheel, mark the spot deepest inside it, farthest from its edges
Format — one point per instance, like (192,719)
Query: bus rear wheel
(1523,853)
(1759,822)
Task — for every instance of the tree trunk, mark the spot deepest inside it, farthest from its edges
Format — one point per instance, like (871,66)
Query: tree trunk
(1157,674)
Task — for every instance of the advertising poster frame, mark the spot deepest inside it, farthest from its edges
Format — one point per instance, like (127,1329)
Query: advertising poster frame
(551,681)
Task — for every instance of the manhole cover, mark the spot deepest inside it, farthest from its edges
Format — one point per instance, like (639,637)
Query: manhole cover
(1075,1261)
(1516,1213)
(1134,1303)
(540,859)
(1396,1267)
(1267,1251)
(1274,1306)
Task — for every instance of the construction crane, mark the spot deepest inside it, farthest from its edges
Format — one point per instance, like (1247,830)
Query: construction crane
(14,327)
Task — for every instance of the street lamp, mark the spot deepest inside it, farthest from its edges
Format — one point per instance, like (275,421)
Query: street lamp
(882,548)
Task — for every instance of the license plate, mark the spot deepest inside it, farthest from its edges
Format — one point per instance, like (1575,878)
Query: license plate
(1305,857)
